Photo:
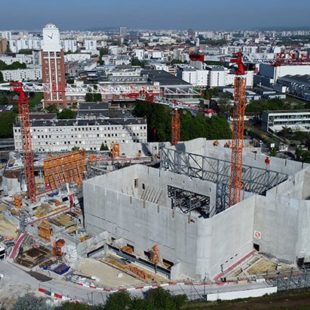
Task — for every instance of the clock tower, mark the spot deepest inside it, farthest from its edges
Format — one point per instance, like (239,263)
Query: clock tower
(53,67)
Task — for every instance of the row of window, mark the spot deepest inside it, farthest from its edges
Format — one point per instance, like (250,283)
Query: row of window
(290,117)
(89,136)
(51,54)
(83,129)
(291,122)
(55,146)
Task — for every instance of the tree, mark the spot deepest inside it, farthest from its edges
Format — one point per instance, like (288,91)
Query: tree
(66,114)
(25,51)
(35,99)
(140,304)
(303,156)
(162,299)
(91,97)
(104,147)
(118,301)
(15,65)
(176,61)
(210,92)
(102,52)
(7,120)
(136,62)
(30,302)
(4,100)
(192,127)
(262,105)
(1,77)
(52,108)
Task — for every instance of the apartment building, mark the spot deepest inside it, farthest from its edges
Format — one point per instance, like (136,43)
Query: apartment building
(31,74)
(63,135)
(275,121)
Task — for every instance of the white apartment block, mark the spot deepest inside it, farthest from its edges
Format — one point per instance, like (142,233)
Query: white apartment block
(77,57)
(193,76)
(69,45)
(27,59)
(139,53)
(90,45)
(63,135)
(276,121)
(20,75)
(19,44)
(213,76)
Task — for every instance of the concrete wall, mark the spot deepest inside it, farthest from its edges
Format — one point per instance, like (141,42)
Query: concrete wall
(242,294)
(200,245)
(132,204)
(110,206)
(295,187)
(11,186)
(282,219)
(226,238)
(205,147)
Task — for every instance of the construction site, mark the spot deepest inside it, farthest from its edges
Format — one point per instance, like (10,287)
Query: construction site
(183,207)
(145,213)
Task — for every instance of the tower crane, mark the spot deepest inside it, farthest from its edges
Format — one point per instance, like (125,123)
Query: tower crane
(149,95)
(235,184)
(23,113)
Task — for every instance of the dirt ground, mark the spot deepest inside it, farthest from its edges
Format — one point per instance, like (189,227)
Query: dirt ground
(107,276)
(7,229)
(262,266)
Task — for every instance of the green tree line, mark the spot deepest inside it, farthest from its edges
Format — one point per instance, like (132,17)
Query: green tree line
(192,126)
(155,299)
(15,65)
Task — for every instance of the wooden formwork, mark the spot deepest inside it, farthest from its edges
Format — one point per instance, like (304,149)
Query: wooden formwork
(67,168)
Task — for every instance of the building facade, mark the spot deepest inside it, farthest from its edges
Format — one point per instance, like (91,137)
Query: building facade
(20,75)
(3,45)
(297,85)
(275,121)
(53,66)
(63,135)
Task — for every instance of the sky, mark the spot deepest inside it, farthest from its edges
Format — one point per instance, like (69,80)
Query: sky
(154,14)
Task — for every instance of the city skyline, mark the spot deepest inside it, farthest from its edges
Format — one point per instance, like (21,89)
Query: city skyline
(222,15)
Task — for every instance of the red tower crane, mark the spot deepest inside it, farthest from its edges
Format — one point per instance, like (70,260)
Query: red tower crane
(235,184)
(23,112)
(175,126)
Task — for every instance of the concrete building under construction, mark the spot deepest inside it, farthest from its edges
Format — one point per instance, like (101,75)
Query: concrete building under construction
(183,208)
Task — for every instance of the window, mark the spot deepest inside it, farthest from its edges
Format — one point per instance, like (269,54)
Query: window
(136,183)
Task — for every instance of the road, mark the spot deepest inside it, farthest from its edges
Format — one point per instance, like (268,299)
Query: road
(17,282)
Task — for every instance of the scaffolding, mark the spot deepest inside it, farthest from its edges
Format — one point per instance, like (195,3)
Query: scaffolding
(254,180)
(68,168)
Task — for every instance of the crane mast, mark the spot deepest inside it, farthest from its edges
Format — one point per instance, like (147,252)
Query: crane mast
(23,113)
(235,184)
(175,127)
